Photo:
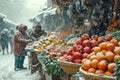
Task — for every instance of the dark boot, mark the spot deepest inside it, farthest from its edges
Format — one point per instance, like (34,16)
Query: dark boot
(7,51)
(22,62)
(17,63)
(3,52)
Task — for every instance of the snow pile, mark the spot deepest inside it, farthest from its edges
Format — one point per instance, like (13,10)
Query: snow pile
(7,69)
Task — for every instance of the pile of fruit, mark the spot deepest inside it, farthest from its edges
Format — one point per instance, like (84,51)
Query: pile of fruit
(102,59)
(82,48)
(47,42)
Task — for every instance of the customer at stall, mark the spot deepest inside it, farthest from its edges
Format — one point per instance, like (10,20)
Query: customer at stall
(4,39)
(37,32)
(20,42)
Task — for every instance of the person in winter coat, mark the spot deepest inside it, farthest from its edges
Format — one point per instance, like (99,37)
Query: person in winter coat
(11,39)
(20,42)
(37,32)
(4,40)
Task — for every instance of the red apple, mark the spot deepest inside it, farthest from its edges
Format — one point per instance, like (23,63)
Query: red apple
(69,58)
(77,55)
(53,55)
(77,61)
(93,43)
(100,39)
(66,52)
(72,53)
(63,58)
(84,55)
(87,49)
(78,48)
(108,37)
(85,37)
(79,41)
(59,54)
(86,43)
(70,49)
(74,46)
(94,37)
(47,53)
(62,52)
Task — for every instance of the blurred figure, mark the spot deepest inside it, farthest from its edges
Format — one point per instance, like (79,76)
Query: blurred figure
(94,30)
(11,39)
(37,32)
(20,42)
(4,39)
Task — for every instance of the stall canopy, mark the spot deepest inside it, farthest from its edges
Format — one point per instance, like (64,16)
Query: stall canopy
(44,13)
(52,11)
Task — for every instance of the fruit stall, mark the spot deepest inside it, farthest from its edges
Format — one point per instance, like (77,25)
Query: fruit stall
(85,57)
(71,53)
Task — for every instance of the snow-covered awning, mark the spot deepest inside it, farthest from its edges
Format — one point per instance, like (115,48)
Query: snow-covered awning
(10,22)
(44,13)
(2,16)
(52,11)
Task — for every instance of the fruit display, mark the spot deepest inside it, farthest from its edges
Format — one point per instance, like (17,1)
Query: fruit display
(82,48)
(51,41)
(97,55)
(102,60)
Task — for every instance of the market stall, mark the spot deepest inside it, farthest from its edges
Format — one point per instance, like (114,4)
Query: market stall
(86,46)
(92,58)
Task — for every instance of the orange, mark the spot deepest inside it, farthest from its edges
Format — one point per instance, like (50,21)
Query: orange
(110,47)
(109,56)
(88,57)
(107,73)
(86,65)
(100,57)
(93,57)
(83,60)
(116,57)
(103,45)
(94,63)
(117,50)
(115,42)
(104,51)
(99,72)
(92,70)
(102,65)
(119,44)
(106,62)
(99,53)
(111,67)
(97,49)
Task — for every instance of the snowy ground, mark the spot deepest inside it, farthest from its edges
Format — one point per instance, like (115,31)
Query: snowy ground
(7,69)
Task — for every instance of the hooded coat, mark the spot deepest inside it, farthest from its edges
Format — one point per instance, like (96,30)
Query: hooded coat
(20,41)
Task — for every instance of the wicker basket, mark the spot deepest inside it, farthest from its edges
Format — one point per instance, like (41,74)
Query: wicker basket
(70,68)
(91,76)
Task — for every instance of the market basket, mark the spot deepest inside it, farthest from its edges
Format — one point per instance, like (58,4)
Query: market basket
(92,76)
(70,68)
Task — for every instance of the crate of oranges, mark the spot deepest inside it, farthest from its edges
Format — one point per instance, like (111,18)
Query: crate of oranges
(100,64)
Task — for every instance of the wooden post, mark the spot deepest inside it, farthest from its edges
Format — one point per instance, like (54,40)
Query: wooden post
(33,62)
